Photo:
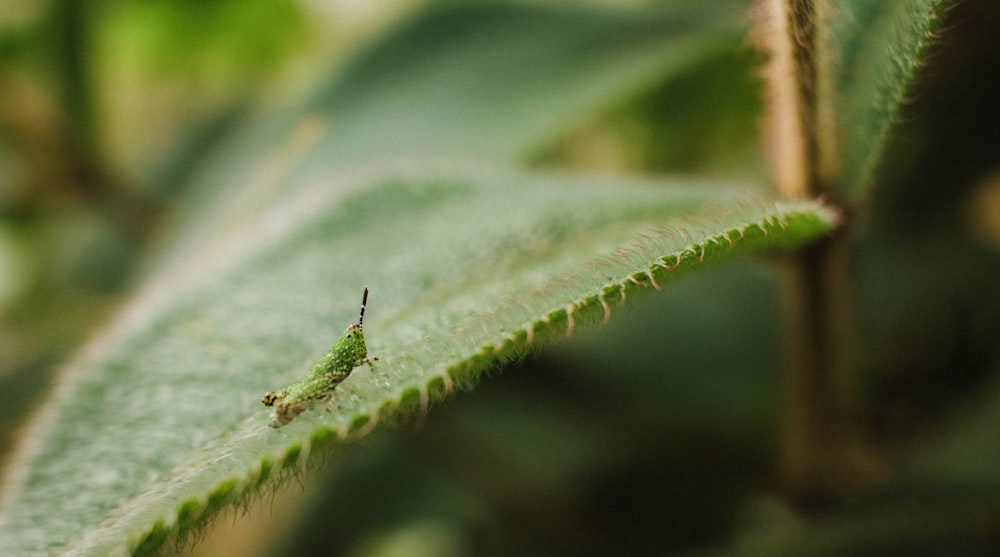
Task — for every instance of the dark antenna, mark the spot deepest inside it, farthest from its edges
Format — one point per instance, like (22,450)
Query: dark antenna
(364,300)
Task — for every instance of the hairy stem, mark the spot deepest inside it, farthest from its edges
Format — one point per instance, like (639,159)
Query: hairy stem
(820,379)
(801,27)
(819,382)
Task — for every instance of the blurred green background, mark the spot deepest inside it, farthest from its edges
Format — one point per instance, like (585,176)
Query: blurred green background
(643,435)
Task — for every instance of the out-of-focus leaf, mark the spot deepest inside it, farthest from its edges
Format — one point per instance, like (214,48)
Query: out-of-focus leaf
(875,50)
(482,81)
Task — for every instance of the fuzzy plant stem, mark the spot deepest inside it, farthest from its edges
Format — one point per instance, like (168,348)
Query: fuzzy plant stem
(801,16)
(819,386)
(819,445)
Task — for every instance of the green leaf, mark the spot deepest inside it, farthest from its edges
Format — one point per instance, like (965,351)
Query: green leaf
(875,52)
(159,422)
(440,87)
